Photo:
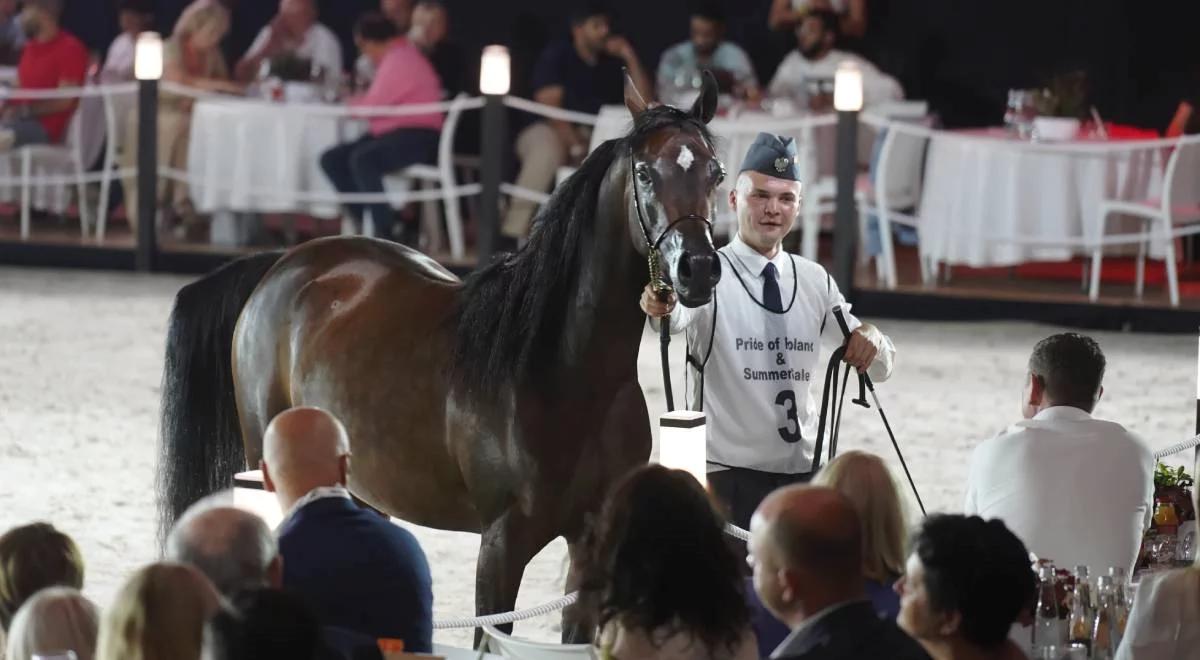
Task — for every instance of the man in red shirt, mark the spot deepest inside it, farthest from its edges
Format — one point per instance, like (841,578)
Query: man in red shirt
(52,58)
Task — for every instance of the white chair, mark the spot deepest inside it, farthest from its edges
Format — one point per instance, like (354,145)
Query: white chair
(439,177)
(69,156)
(899,174)
(511,647)
(114,117)
(1179,207)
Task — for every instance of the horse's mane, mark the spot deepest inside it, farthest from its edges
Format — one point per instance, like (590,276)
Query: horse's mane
(512,314)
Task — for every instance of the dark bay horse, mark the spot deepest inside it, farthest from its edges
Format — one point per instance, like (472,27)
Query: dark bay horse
(504,405)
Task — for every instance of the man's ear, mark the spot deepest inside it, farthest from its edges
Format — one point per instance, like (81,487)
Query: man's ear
(950,623)
(344,469)
(1037,390)
(268,484)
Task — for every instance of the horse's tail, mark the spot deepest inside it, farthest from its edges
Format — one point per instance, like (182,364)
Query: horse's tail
(200,438)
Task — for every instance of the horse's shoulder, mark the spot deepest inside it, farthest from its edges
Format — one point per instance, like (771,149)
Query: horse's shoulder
(365,256)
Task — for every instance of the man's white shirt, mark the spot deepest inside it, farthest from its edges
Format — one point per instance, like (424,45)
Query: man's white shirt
(762,368)
(794,72)
(320,45)
(1076,489)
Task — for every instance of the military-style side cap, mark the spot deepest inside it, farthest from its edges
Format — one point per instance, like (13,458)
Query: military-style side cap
(774,156)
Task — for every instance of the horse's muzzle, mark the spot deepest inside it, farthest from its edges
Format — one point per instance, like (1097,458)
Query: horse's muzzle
(696,277)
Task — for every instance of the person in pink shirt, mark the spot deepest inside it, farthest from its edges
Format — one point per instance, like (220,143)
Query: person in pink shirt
(393,143)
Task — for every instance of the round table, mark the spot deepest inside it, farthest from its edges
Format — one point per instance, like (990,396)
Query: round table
(988,197)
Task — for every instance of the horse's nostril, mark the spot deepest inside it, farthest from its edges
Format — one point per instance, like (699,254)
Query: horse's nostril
(685,267)
(716,268)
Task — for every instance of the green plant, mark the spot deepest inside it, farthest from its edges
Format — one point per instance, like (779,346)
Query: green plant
(1065,95)
(1165,477)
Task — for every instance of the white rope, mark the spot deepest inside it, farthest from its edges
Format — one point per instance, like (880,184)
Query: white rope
(737,532)
(330,109)
(53,179)
(509,617)
(1176,448)
(550,112)
(524,193)
(435,194)
(734,125)
(18,94)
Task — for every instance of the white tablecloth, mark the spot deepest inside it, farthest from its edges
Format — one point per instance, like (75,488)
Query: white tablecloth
(982,188)
(252,155)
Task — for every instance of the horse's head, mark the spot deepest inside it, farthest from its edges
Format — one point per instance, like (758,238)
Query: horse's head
(674,173)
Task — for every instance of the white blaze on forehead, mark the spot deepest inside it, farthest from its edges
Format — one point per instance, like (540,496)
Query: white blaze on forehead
(685,158)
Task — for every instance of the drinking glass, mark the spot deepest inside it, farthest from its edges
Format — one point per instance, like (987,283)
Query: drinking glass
(1020,112)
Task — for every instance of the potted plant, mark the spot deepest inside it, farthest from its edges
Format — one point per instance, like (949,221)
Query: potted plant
(1060,106)
(1175,486)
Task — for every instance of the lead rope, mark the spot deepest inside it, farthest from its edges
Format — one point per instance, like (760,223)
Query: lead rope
(663,291)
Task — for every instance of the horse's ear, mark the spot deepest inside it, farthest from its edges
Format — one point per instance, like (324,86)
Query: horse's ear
(633,98)
(706,104)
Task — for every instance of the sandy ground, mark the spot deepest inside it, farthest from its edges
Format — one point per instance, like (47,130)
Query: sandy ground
(81,359)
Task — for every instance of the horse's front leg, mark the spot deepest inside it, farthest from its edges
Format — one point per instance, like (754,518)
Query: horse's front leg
(579,621)
(506,546)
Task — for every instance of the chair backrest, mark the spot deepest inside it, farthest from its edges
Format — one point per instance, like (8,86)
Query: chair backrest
(900,170)
(1181,187)
(445,158)
(511,647)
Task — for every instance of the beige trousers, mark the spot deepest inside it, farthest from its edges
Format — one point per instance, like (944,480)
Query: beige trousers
(542,152)
(174,128)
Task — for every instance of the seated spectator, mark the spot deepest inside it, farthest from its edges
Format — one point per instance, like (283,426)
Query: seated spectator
(851,14)
(266,624)
(866,481)
(192,58)
(158,614)
(12,36)
(806,549)
(32,558)
(294,31)
(680,66)
(354,568)
(52,58)
(135,17)
(55,620)
(1166,607)
(392,143)
(430,27)
(1076,489)
(582,74)
(966,583)
(808,71)
(665,581)
(399,12)
(236,551)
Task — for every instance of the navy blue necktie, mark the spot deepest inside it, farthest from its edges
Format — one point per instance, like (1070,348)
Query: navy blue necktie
(771,298)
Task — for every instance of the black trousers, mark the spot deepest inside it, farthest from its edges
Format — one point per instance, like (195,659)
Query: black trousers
(741,490)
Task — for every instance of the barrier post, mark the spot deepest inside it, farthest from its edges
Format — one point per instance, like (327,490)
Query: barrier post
(147,69)
(494,78)
(848,101)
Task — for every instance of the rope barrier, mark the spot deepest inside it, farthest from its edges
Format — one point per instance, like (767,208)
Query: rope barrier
(65,179)
(550,112)
(737,532)
(1190,443)
(334,110)
(509,617)
(524,193)
(19,94)
(435,194)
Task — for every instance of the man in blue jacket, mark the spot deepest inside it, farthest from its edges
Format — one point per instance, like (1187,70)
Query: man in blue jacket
(355,569)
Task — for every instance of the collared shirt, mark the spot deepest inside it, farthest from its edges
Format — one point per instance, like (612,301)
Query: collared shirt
(796,73)
(680,65)
(118,63)
(405,76)
(320,45)
(319,493)
(1076,489)
(758,375)
(808,624)
(1162,624)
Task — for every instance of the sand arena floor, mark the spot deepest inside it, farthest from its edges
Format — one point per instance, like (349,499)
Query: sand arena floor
(81,359)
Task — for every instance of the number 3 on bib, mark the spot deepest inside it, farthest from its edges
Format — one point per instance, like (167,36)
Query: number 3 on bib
(790,432)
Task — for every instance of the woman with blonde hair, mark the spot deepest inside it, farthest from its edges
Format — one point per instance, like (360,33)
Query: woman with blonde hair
(191,58)
(52,622)
(34,557)
(159,615)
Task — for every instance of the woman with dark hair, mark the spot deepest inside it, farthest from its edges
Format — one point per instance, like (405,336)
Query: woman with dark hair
(33,557)
(661,576)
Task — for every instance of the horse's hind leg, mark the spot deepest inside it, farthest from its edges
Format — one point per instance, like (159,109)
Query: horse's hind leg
(506,546)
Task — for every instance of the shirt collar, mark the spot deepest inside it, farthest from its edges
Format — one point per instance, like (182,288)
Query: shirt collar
(319,493)
(1063,414)
(800,631)
(754,260)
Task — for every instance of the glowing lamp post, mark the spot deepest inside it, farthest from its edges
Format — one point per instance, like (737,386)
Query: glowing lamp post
(848,101)
(494,80)
(147,68)
(682,443)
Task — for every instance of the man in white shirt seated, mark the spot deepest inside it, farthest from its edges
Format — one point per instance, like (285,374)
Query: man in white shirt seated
(135,17)
(807,72)
(295,31)
(1076,489)
(681,64)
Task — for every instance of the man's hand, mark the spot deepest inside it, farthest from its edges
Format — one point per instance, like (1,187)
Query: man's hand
(863,346)
(653,307)
(619,47)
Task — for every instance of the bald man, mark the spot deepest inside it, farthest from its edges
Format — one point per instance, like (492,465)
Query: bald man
(232,547)
(806,551)
(355,569)
(294,31)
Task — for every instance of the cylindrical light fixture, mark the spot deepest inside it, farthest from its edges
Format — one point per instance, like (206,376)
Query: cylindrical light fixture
(682,443)
(494,71)
(250,494)
(148,56)
(848,87)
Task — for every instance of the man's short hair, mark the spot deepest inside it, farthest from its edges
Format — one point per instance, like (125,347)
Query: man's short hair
(52,7)
(979,569)
(829,20)
(587,10)
(262,624)
(375,27)
(1071,368)
(143,7)
(233,548)
(710,10)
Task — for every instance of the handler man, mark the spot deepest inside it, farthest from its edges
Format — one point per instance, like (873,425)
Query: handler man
(754,349)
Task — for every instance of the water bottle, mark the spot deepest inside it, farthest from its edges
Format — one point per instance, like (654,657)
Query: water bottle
(1047,629)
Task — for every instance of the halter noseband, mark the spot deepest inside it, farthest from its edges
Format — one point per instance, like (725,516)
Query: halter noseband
(652,245)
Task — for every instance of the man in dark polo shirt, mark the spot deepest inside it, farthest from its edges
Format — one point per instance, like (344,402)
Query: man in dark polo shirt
(579,73)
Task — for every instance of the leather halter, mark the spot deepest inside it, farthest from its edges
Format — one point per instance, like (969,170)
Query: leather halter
(653,245)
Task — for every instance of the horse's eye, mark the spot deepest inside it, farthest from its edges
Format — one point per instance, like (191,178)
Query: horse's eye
(643,172)
(720,174)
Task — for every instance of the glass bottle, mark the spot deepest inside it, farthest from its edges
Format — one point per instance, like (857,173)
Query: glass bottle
(1103,644)
(1047,630)
(1079,624)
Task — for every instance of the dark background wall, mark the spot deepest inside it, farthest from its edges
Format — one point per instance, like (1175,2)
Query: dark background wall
(1142,56)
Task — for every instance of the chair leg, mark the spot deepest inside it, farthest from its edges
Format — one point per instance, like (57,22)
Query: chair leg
(26,166)
(102,207)
(1097,258)
(81,191)
(1139,282)
(1172,276)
